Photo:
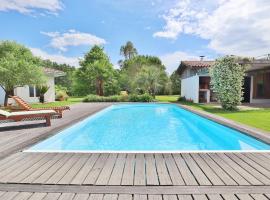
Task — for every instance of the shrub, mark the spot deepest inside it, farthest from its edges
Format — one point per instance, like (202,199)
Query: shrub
(181,99)
(119,98)
(227,77)
(61,96)
(140,98)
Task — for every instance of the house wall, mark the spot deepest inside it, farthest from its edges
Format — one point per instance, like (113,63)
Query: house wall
(50,94)
(2,96)
(190,88)
(24,93)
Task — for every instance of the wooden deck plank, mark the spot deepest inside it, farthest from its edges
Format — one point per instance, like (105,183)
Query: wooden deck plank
(255,165)
(81,197)
(170,197)
(52,196)
(197,172)
(229,170)
(151,171)
(117,173)
(199,197)
(66,196)
(23,196)
(214,197)
(244,197)
(218,170)
(105,173)
(129,170)
(244,173)
(140,178)
(173,170)
(125,197)
(10,160)
(154,197)
(260,177)
(184,170)
(184,197)
(9,195)
(96,197)
(256,158)
(163,175)
(58,175)
(229,197)
(110,197)
(38,196)
(19,167)
(215,180)
(259,197)
(29,171)
(81,175)
(67,178)
(140,197)
(37,173)
(48,173)
(96,169)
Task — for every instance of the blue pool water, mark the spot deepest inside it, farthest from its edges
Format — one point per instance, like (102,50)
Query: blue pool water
(148,127)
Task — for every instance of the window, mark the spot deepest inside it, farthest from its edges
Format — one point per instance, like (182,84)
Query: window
(31,91)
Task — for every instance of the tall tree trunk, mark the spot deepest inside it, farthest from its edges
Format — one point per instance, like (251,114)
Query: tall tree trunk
(7,93)
(99,87)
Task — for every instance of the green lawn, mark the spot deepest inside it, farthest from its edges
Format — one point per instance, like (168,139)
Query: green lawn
(71,100)
(257,118)
(167,98)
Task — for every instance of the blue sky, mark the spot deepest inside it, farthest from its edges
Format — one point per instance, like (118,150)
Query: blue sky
(63,30)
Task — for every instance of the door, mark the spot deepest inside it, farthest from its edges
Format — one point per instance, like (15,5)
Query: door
(246,89)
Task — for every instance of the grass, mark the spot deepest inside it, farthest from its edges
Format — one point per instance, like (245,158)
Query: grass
(70,101)
(256,118)
(167,98)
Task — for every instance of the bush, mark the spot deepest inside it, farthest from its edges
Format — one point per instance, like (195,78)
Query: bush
(140,98)
(119,98)
(61,96)
(181,99)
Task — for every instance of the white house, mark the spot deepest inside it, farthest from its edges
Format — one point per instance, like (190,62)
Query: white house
(195,81)
(31,94)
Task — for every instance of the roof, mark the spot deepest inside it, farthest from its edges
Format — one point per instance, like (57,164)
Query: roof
(193,65)
(53,72)
(255,65)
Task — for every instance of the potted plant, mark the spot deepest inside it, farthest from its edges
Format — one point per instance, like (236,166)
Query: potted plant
(42,90)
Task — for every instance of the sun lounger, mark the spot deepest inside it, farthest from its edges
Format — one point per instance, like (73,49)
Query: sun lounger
(23,115)
(25,106)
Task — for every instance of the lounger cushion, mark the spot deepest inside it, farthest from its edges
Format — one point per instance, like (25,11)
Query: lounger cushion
(34,112)
(4,113)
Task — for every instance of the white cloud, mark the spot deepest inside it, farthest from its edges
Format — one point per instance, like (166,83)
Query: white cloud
(172,60)
(58,58)
(30,6)
(72,38)
(232,27)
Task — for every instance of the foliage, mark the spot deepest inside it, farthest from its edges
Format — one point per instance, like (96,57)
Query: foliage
(42,90)
(227,77)
(128,50)
(18,67)
(119,98)
(140,98)
(137,65)
(148,80)
(61,93)
(176,83)
(95,75)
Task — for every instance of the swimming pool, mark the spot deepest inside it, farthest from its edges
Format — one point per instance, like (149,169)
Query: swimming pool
(148,128)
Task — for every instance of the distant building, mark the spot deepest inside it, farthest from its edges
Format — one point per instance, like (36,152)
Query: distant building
(195,81)
(31,94)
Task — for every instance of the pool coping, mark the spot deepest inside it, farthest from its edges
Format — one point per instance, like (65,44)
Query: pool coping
(261,135)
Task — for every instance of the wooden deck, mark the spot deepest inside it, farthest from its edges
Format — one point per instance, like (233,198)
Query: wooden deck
(86,176)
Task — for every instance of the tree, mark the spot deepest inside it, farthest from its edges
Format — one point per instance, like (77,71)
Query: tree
(128,50)
(148,80)
(96,70)
(18,67)
(227,75)
(133,66)
(175,83)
